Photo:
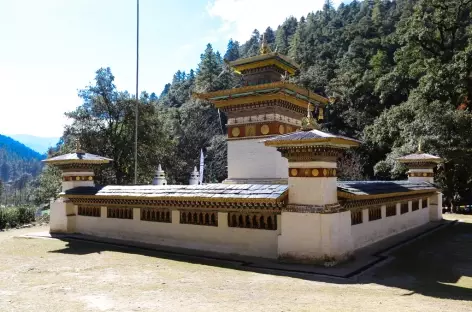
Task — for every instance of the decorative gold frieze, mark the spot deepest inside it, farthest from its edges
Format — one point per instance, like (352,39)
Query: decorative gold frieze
(77,178)
(421,174)
(312,172)
(310,153)
(258,103)
(256,130)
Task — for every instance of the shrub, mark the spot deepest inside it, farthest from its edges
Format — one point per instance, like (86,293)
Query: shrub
(14,216)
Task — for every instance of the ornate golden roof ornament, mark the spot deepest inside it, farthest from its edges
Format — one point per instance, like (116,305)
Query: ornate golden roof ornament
(265,49)
(309,123)
(420,151)
(78,147)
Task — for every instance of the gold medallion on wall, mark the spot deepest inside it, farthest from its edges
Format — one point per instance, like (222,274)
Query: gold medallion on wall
(312,172)
(235,132)
(281,129)
(265,129)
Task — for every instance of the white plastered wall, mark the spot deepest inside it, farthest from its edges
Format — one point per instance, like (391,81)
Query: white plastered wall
(314,236)
(62,217)
(312,191)
(251,159)
(369,232)
(223,239)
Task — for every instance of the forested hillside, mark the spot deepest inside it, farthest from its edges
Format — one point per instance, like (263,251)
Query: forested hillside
(19,165)
(401,72)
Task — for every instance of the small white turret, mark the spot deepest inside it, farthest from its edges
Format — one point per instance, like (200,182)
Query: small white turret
(160,177)
(194,177)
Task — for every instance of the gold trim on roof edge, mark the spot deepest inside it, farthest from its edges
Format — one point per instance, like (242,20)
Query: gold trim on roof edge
(263,63)
(281,143)
(278,84)
(262,57)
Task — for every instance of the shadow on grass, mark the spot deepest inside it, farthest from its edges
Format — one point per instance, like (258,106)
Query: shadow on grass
(437,265)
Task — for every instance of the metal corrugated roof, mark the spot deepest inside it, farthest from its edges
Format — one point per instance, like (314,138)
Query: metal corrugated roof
(369,188)
(81,157)
(207,191)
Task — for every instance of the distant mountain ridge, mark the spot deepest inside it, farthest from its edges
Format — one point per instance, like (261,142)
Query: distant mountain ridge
(16,160)
(16,149)
(39,144)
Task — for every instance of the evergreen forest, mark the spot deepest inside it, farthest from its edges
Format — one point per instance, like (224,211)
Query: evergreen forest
(19,166)
(400,71)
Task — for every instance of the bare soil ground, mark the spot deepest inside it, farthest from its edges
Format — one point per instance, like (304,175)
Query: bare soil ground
(433,273)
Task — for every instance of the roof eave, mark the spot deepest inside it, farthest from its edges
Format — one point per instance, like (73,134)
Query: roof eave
(348,195)
(321,141)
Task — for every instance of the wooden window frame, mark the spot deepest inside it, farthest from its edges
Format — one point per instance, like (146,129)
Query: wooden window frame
(402,208)
(355,220)
(375,213)
(391,210)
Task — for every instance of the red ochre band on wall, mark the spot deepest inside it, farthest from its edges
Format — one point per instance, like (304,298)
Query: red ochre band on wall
(259,129)
(77,178)
(312,172)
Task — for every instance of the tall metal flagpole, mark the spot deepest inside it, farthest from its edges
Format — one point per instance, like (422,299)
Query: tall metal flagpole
(137,98)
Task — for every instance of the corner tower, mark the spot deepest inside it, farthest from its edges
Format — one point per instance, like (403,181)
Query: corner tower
(77,171)
(420,166)
(314,225)
(266,105)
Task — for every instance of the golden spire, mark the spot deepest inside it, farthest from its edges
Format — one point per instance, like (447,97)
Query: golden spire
(308,122)
(419,148)
(320,113)
(78,147)
(264,46)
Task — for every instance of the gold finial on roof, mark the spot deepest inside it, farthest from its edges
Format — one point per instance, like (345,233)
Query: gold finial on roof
(420,151)
(78,147)
(308,122)
(264,46)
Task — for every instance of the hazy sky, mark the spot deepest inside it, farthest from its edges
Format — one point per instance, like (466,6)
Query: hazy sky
(51,48)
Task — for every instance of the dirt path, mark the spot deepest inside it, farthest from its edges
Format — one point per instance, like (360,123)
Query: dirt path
(53,275)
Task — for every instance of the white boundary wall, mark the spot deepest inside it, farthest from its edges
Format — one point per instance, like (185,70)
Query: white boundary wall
(369,232)
(221,238)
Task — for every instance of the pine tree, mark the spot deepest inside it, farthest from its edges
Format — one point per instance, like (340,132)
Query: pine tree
(284,35)
(251,48)
(232,52)
(165,90)
(208,70)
